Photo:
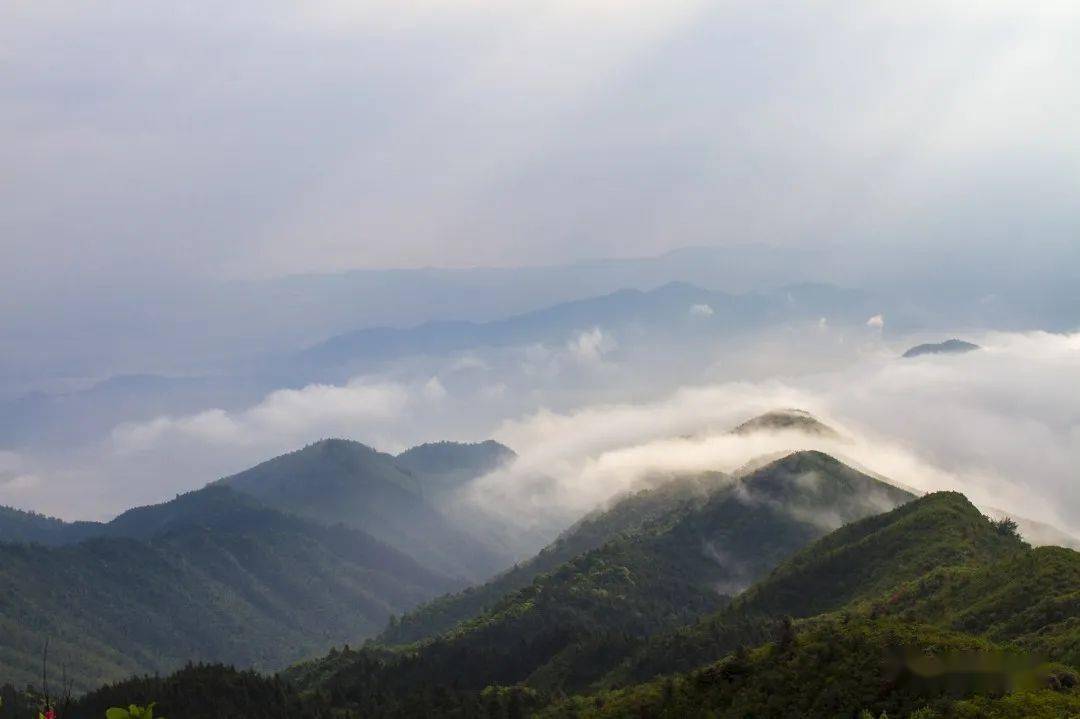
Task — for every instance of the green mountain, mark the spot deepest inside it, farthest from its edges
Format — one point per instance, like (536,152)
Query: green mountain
(850,667)
(624,518)
(926,611)
(848,494)
(949,347)
(210,575)
(556,632)
(203,691)
(929,610)
(787,420)
(394,499)
(342,481)
(19,526)
(1029,598)
(445,466)
(858,561)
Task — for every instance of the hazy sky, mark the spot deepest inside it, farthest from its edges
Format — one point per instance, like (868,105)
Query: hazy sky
(148,147)
(146,141)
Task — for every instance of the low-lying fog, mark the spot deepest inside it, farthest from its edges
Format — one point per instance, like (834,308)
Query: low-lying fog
(597,415)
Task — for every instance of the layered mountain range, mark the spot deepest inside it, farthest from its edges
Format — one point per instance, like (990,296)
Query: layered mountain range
(797,586)
(262,569)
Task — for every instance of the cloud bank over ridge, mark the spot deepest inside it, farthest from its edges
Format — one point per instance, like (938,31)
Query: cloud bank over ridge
(997,424)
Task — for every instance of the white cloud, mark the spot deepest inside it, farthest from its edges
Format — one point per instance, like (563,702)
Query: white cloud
(1001,424)
(468,361)
(877,322)
(494,391)
(288,415)
(590,346)
(434,390)
(995,425)
(701,311)
(17,479)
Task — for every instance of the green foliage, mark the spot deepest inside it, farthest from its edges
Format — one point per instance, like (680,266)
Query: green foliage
(928,611)
(217,574)
(210,575)
(833,668)
(559,633)
(133,711)
(31,527)
(868,558)
(700,517)
(570,626)
(203,691)
(1038,704)
(1006,526)
(1029,597)
(649,510)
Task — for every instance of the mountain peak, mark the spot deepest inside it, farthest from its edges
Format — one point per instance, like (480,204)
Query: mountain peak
(467,459)
(952,346)
(836,492)
(789,419)
(338,444)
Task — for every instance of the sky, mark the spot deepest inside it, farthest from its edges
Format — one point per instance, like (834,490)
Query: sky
(149,151)
(146,144)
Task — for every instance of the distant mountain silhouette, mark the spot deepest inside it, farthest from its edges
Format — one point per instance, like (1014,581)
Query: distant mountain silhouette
(664,312)
(953,346)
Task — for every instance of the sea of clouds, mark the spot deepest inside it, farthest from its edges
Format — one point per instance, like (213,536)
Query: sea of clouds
(1001,424)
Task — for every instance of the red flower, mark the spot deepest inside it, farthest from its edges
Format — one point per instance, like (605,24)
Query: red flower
(50,714)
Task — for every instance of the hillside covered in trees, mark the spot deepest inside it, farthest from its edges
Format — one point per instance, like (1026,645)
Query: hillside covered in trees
(796,587)
(927,611)
(920,609)
(263,569)
(212,574)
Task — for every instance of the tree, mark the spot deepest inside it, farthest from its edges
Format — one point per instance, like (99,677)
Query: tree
(785,639)
(1006,527)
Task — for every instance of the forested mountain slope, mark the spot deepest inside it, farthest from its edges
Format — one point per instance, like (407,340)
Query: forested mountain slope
(928,611)
(591,610)
(338,480)
(862,560)
(19,526)
(850,667)
(210,575)
(446,466)
(646,508)
(735,529)
(968,637)
(1029,598)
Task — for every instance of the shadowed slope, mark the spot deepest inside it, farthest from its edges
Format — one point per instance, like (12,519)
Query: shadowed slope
(211,575)
(338,480)
(570,623)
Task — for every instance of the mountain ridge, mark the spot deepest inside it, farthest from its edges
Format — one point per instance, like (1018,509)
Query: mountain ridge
(211,575)
(338,480)
(668,572)
(950,346)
